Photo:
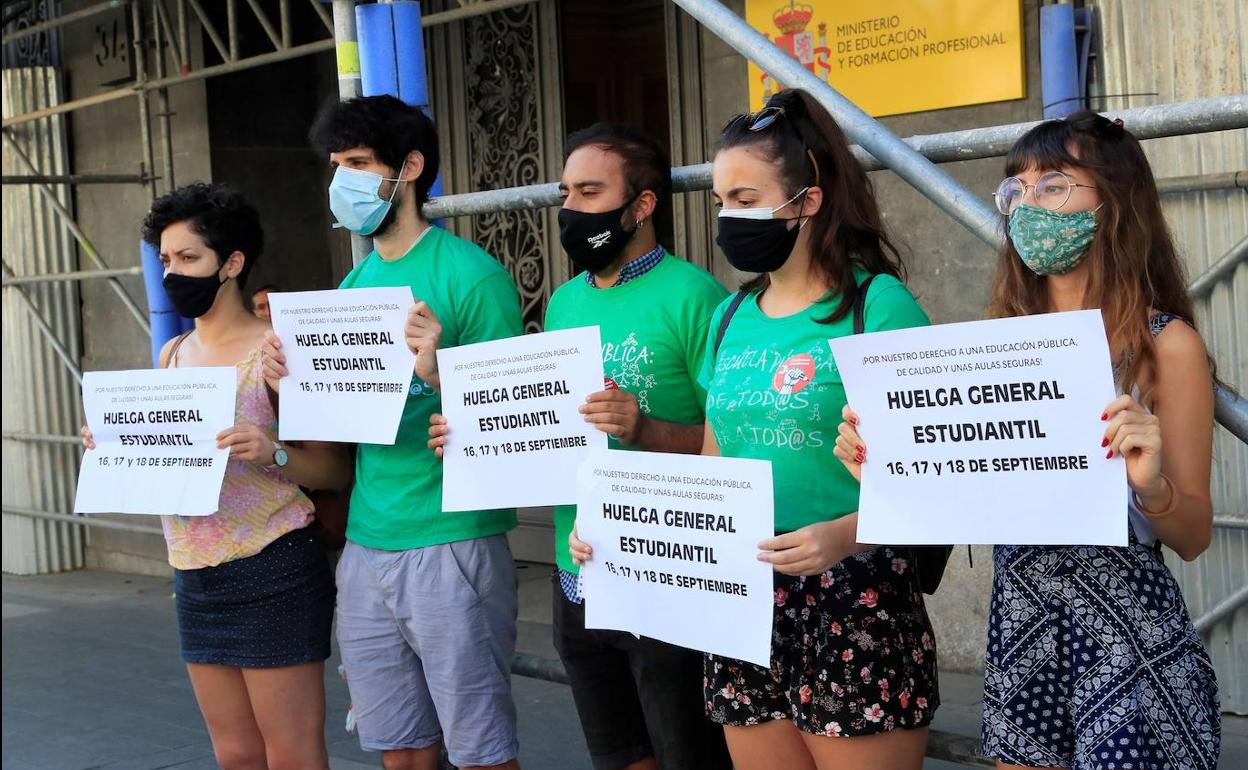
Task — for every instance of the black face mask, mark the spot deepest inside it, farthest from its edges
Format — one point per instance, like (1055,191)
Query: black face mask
(754,245)
(192,296)
(593,241)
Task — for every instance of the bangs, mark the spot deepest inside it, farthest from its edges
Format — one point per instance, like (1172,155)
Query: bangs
(1047,146)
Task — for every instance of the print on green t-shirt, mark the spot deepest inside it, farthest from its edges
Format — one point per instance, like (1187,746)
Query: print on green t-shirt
(397,500)
(653,341)
(774,393)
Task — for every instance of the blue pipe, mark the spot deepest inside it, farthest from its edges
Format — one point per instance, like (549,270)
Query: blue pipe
(166,323)
(1060,88)
(392,56)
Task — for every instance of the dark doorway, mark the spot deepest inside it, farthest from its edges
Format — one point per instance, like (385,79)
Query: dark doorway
(258,122)
(615,69)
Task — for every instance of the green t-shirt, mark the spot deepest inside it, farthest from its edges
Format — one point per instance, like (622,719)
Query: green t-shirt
(397,500)
(653,343)
(774,393)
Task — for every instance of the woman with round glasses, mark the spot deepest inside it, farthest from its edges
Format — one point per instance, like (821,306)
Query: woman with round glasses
(1092,659)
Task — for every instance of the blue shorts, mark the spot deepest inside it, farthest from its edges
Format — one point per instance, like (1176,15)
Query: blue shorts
(427,637)
(265,611)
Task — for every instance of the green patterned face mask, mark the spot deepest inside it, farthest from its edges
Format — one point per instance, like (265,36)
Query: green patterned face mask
(1051,242)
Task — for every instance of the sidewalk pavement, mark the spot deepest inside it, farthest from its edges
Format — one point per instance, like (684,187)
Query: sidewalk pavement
(92,680)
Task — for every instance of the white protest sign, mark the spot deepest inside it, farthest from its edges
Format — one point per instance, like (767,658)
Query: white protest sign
(516,437)
(350,367)
(986,432)
(675,541)
(155,434)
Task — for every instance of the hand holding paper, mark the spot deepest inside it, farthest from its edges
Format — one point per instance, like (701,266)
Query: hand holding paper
(151,439)
(985,432)
(513,434)
(341,362)
(423,333)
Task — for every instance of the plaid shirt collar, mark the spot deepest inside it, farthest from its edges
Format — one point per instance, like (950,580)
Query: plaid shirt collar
(634,269)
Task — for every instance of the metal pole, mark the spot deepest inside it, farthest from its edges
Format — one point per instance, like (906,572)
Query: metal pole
(28,179)
(283,8)
(145,118)
(42,438)
(162,102)
(347,46)
(162,16)
(251,62)
(81,520)
(1220,269)
(88,248)
(1176,185)
(1231,411)
(468,11)
(1199,116)
(76,275)
(267,25)
(1221,610)
(48,333)
(211,31)
(231,27)
(184,36)
(324,15)
(972,211)
(63,19)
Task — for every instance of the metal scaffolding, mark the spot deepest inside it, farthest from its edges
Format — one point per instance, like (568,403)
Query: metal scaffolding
(913,158)
(166,24)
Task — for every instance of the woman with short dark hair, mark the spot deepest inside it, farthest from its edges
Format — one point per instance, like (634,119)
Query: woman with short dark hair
(254,594)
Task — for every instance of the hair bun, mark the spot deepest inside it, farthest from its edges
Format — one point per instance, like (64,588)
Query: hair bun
(790,99)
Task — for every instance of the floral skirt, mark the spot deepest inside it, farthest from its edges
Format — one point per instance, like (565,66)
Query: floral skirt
(852,653)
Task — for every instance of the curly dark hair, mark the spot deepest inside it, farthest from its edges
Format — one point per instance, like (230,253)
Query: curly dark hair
(389,127)
(218,213)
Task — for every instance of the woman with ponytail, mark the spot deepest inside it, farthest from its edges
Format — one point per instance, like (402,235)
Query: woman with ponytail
(852,680)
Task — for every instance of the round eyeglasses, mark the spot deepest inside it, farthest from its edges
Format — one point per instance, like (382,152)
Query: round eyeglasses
(1052,191)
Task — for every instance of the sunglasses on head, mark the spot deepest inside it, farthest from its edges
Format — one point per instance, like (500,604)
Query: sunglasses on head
(756,121)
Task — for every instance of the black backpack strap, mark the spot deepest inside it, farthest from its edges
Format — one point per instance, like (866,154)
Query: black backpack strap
(729,312)
(860,305)
(929,560)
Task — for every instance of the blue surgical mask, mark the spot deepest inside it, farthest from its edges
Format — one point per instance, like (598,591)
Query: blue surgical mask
(355,198)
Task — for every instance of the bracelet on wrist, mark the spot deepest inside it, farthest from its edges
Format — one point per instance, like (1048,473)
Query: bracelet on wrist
(1170,505)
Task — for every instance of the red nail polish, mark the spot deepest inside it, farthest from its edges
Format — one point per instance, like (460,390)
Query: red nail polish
(861,449)
(1104,416)
(1109,455)
(1104,442)
(853,420)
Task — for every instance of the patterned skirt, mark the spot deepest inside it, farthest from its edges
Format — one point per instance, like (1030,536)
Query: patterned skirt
(852,653)
(1093,662)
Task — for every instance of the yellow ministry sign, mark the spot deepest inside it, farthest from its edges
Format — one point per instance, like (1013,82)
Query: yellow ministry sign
(896,56)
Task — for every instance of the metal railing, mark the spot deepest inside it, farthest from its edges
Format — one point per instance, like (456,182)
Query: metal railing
(1219,113)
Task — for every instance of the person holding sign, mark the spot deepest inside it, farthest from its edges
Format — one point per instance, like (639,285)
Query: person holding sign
(426,601)
(639,699)
(852,680)
(253,590)
(1092,659)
